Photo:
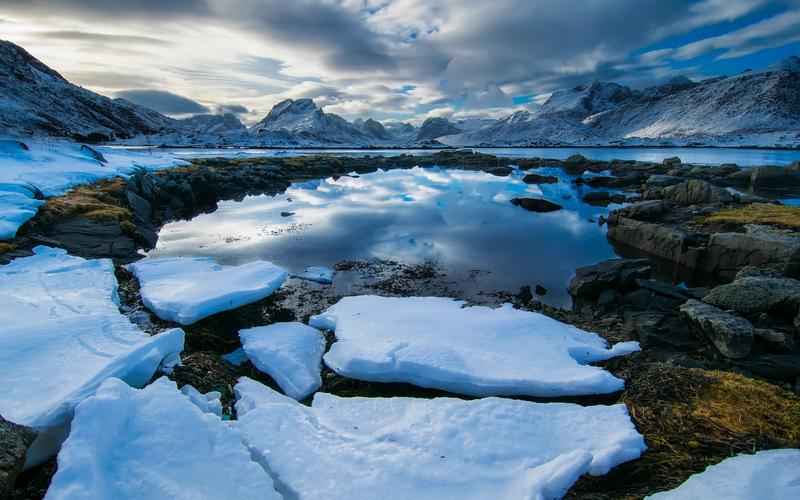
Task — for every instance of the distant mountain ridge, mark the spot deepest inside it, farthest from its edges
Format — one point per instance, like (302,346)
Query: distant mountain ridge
(753,108)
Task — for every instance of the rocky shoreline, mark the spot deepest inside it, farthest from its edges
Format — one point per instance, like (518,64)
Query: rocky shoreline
(720,360)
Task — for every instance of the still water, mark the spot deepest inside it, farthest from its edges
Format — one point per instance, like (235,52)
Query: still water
(703,156)
(461,221)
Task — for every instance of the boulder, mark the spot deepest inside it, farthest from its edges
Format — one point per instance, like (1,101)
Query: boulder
(14,442)
(780,342)
(661,241)
(663,180)
(732,335)
(774,177)
(695,191)
(539,179)
(751,295)
(758,246)
(672,162)
(774,366)
(644,210)
(140,207)
(603,197)
(536,204)
(590,281)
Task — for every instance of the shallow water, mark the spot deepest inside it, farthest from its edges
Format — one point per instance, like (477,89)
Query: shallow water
(461,221)
(705,156)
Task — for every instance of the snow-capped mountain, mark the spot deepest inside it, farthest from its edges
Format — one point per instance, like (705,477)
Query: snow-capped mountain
(302,122)
(751,108)
(433,128)
(36,100)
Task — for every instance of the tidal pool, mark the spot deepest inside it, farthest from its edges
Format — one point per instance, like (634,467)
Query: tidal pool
(460,221)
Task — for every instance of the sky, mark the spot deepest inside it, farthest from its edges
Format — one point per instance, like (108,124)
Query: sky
(390,59)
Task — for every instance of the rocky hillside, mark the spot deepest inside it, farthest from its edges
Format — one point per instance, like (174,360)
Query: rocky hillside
(747,109)
(35,99)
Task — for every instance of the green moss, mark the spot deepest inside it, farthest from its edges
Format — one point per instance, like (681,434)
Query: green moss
(758,213)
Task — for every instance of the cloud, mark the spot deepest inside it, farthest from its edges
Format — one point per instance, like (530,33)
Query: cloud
(82,36)
(163,101)
(105,9)
(109,79)
(236,109)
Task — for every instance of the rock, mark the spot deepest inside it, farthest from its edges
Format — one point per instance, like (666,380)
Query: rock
(759,272)
(575,164)
(792,268)
(525,296)
(774,366)
(774,177)
(738,178)
(634,179)
(287,214)
(752,295)
(695,191)
(93,153)
(140,207)
(540,290)
(656,329)
(780,342)
(663,180)
(654,239)
(603,198)
(758,246)
(731,335)
(14,442)
(590,281)
(672,162)
(644,210)
(539,179)
(93,238)
(536,204)
(207,372)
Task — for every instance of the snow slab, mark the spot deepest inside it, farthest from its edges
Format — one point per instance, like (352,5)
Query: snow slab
(401,448)
(153,443)
(54,167)
(63,335)
(439,343)
(188,289)
(317,274)
(236,358)
(767,475)
(210,402)
(290,353)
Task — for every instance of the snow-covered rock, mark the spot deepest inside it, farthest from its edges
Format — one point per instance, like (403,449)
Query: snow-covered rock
(400,448)
(36,100)
(154,444)
(766,475)
(63,335)
(317,274)
(188,289)
(52,167)
(433,128)
(290,353)
(439,343)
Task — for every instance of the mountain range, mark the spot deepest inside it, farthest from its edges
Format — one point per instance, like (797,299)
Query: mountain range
(752,108)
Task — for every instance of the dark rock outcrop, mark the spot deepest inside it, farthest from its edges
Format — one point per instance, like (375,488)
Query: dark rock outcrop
(694,192)
(14,442)
(731,335)
(539,179)
(536,205)
(617,274)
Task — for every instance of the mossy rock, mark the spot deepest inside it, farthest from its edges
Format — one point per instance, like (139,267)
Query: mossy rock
(693,418)
(757,213)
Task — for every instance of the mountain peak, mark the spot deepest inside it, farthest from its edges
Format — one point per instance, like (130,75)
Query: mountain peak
(791,64)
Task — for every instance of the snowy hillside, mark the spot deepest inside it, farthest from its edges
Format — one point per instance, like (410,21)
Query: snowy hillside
(748,109)
(35,99)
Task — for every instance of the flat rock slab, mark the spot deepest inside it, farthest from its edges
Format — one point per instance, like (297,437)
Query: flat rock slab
(767,475)
(732,335)
(154,443)
(188,289)
(290,353)
(749,295)
(63,335)
(401,448)
(439,343)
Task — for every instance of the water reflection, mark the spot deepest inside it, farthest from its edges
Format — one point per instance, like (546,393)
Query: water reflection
(462,221)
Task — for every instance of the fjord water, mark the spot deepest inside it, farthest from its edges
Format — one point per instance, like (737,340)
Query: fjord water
(461,221)
(744,157)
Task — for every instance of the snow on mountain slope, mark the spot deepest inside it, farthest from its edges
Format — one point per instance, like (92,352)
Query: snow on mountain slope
(433,128)
(752,108)
(36,100)
(302,122)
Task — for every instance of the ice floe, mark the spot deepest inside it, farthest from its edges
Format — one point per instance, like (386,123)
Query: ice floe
(188,289)
(323,275)
(290,353)
(400,448)
(767,475)
(63,335)
(439,343)
(52,167)
(154,443)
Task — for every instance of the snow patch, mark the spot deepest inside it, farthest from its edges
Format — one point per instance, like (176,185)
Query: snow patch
(317,274)
(440,343)
(290,353)
(150,444)
(188,289)
(400,448)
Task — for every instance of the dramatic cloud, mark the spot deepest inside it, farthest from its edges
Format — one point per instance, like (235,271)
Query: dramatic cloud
(163,102)
(236,109)
(392,59)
